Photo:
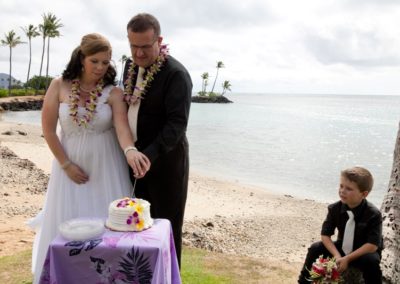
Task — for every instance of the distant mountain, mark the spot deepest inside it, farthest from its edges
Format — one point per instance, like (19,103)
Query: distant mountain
(4,81)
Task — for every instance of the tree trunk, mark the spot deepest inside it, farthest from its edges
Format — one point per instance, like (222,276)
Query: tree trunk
(216,76)
(48,61)
(391,222)
(122,73)
(30,61)
(41,62)
(41,66)
(9,82)
(48,56)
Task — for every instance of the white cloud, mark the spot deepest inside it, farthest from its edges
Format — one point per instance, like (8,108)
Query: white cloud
(305,46)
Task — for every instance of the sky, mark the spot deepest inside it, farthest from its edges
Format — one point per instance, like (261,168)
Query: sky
(285,46)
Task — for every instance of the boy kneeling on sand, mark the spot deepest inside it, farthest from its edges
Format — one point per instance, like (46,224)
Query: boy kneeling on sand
(361,245)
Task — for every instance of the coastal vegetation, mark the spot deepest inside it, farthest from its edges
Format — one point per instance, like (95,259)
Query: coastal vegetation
(18,92)
(211,96)
(30,32)
(34,86)
(123,60)
(49,28)
(11,40)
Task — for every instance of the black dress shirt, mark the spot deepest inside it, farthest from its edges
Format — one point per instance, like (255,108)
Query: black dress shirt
(368,220)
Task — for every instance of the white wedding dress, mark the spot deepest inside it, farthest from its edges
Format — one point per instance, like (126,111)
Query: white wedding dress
(96,150)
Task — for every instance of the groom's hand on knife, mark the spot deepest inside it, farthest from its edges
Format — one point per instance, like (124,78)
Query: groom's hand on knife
(139,163)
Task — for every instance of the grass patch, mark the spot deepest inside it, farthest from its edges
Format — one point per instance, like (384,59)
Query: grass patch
(234,269)
(16,269)
(198,267)
(195,269)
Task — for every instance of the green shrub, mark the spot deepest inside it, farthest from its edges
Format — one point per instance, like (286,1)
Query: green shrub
(37,82)
(20,92)
(213,95)
(3,93)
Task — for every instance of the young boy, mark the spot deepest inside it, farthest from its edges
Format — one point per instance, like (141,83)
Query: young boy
(365,254)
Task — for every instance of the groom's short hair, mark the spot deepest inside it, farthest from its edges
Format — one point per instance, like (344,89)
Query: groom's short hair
(143,22)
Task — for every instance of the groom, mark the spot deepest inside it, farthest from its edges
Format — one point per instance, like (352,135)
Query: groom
(158,90)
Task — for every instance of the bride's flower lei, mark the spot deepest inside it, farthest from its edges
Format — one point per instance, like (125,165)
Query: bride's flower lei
(90,104)
(133,93)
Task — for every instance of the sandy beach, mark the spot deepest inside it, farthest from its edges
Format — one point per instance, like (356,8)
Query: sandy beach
(221,215)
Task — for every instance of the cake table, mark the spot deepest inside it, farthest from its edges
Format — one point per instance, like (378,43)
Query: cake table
(115,257)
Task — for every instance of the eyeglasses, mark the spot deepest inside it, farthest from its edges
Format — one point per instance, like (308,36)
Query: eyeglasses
(144,48)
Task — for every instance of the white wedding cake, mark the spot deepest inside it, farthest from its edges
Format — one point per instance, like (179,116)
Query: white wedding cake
(129,214)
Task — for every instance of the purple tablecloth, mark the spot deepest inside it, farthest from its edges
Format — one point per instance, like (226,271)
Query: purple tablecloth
(115,257)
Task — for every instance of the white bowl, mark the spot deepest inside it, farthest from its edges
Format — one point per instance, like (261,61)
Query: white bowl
(81,229)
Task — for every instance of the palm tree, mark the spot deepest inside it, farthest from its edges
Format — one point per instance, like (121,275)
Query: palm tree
(53,26)
(220,64)
(48,29)
(226,86)
(123,59)
(43,28)
(11,40)
(204,84)
(31,32)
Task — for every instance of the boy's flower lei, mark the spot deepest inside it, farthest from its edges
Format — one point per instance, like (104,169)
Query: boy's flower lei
(90,104)
(324,270)
(133,93)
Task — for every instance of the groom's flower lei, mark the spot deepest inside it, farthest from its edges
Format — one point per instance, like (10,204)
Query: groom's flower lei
(133,93)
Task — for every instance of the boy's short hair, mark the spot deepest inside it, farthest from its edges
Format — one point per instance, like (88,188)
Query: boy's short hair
(361,176)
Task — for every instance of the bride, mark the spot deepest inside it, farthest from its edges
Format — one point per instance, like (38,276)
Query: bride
(89,170)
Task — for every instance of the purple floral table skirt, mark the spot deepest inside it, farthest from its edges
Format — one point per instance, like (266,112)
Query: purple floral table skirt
(115,257)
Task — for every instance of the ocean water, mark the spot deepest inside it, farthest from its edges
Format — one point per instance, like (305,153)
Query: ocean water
(289,144)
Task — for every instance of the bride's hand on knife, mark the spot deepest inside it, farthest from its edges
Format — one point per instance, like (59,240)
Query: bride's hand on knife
(139,163)
(75,173)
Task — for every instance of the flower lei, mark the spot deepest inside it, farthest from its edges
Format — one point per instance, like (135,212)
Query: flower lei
(132,94)
(90,104)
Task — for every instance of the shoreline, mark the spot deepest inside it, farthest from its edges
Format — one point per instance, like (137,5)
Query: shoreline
(303,185)
(221,215)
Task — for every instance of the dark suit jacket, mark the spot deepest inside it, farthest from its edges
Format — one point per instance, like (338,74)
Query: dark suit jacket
(161,130)
(164,110)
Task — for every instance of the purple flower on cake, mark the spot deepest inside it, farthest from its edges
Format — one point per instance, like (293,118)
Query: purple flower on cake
(126,202)
(137,221)
(122,203)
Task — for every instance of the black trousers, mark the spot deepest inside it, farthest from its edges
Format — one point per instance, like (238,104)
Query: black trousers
(165,186)
(368,264)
